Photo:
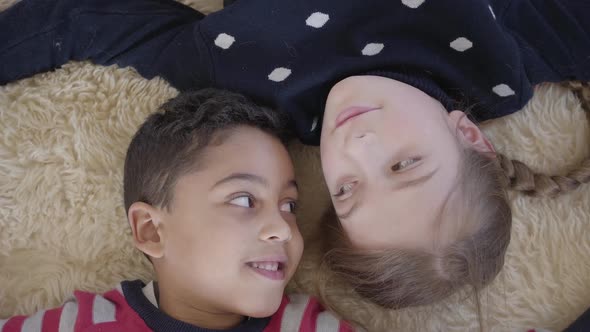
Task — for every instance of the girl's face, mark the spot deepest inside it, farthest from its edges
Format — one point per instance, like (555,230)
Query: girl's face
(390,157)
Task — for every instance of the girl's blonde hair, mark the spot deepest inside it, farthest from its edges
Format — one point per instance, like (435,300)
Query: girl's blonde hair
(520,177)
(397,278)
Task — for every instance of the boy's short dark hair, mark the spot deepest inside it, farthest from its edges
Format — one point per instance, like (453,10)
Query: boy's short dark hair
(170,142)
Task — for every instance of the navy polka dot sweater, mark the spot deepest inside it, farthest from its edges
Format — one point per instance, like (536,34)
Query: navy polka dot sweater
(288,54)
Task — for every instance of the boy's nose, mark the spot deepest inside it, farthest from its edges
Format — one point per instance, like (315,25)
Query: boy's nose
(276,229)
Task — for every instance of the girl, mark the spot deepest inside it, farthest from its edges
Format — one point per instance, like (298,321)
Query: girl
(416,186)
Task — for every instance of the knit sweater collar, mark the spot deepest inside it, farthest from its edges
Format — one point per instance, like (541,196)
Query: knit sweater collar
(159,321)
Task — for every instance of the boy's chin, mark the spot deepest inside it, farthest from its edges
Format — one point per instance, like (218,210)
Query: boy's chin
(263,306)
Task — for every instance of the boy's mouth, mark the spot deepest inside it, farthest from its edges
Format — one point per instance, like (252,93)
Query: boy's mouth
(273,270)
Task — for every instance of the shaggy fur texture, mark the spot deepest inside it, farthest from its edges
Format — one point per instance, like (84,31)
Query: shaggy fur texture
(63,137)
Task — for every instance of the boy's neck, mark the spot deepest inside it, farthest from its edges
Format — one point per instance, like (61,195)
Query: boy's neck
(178,305)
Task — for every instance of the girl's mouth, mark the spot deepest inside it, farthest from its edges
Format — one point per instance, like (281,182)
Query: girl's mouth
(352,112)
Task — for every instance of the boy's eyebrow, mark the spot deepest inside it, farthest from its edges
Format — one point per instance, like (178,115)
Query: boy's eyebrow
(242,177)
(292,183)
(251,178)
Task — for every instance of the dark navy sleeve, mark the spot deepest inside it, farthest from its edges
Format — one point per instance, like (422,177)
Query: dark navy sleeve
(581,324)
(554,37)
(156,37)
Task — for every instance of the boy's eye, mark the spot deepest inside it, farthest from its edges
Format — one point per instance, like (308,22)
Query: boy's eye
(289,207)
(243,201)
(404,164)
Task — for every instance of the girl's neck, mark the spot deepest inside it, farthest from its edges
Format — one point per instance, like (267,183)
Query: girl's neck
(181,306)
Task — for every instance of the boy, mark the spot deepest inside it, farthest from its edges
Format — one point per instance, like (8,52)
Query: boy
(210,197)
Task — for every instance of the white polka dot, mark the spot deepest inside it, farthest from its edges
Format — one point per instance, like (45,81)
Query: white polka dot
(372,49)
(279,74)
(224,40)
(317,20)
(461,44)
(492,11)
(413,3)
(503,90)
(314,123)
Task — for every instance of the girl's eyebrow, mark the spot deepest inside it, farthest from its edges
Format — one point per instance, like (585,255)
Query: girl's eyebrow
(414,182)
(401,186)
(349,213)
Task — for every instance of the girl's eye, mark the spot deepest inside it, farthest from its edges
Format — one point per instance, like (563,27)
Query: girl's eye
(345,190)
(404,163)
(289,207)
(243,201)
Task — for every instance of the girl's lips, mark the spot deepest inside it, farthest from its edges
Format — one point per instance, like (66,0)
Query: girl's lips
(352,112)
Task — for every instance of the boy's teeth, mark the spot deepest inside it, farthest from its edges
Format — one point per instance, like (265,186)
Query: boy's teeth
(266,266)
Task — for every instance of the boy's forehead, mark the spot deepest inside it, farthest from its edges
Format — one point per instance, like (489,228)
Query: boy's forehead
(243,142)
(245,150)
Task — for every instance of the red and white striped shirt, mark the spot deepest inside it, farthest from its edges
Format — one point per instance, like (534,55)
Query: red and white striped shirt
(112,312)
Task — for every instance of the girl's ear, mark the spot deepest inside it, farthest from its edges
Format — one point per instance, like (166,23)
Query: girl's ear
(470,134)
(145,221)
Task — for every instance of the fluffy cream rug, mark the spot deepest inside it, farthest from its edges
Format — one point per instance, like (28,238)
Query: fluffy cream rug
(63,137)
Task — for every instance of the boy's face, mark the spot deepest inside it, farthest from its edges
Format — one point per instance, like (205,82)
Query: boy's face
(230,238)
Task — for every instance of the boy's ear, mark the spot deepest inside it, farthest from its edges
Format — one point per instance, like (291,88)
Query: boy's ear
(146,226)
(470,134)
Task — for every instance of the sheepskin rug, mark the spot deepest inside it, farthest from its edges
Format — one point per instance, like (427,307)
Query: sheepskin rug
(63,137)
